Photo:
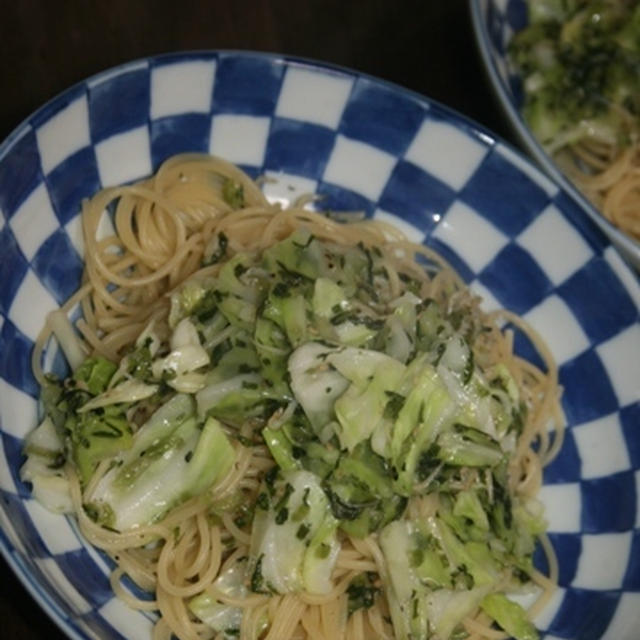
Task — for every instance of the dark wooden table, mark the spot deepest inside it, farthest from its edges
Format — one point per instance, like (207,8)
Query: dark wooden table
(46,46)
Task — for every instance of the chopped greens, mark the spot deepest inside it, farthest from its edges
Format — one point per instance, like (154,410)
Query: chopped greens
(362,592)
(294,544)
(579,60)
(233,193)
(372,404)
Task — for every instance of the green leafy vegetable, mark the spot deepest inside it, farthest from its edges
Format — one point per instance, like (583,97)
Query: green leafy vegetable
(233,193)
(96,373)
(509,615)
(179,462)
(379,415)
(362,593)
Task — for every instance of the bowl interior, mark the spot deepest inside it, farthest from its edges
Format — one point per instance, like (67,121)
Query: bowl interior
(517,238)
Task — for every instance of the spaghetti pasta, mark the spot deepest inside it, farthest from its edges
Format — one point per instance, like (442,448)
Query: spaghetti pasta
(610,178)
(186,224)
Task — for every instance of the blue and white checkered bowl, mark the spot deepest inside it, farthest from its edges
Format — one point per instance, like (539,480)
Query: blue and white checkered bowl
(494,23)
(515,236)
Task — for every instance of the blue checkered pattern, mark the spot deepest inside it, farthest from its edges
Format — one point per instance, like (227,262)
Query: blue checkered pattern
(515,237)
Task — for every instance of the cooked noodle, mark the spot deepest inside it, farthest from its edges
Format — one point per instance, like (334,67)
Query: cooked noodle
(610,177)
(163,228)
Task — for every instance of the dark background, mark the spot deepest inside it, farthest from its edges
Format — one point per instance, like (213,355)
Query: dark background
(425,45)
(48,45)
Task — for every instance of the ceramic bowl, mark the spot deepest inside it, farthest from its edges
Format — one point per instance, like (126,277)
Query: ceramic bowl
(514,235)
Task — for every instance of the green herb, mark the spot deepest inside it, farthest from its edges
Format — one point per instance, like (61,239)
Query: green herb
(233,193)
(362,593)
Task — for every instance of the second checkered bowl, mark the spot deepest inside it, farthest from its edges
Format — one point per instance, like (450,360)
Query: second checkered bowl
(494,23)
(360,143)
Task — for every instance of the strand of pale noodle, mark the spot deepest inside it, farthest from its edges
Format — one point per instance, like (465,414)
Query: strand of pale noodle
(480,627)
(610,178)
(622,201)
(164,226)
(547,412)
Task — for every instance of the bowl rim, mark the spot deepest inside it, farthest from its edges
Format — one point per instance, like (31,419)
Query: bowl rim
(628,246)
(471,127)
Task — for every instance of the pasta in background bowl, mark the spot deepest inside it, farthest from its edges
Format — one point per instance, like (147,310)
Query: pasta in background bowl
(495,24)
(361,145)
